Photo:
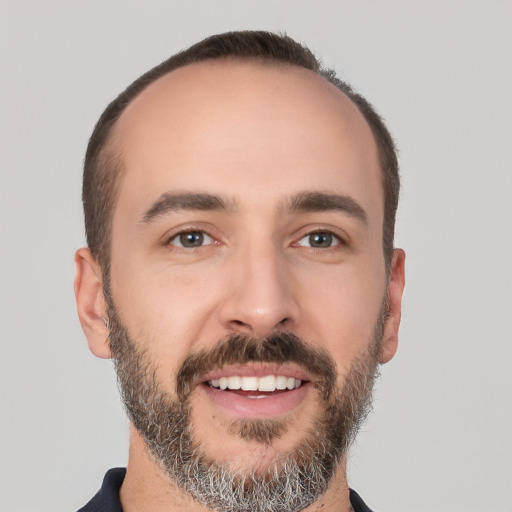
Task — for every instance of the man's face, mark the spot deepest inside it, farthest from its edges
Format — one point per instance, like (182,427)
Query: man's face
(250,205)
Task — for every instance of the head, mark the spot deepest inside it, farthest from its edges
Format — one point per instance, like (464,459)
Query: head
(103,165)
(240,206)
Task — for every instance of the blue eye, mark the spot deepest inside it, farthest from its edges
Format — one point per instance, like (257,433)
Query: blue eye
(319,240)
(191,239)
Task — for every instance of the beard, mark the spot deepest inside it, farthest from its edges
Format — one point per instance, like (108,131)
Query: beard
(295,479)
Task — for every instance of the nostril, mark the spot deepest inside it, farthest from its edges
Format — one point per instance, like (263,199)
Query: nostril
(257,329)
(240,326)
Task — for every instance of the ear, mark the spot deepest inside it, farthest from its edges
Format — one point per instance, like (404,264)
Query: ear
(394,302)
(90,303)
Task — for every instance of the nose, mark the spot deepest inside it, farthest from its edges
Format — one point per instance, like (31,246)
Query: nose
(260,296)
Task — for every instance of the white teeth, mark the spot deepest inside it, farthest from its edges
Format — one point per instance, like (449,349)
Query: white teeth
(250,383)
(234,382)
(268,383)
(281,382)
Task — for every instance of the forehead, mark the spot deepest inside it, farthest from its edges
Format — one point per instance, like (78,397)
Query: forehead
(229,126)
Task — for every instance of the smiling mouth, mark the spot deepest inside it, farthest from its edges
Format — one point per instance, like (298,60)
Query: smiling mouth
(253,392)
(267,383)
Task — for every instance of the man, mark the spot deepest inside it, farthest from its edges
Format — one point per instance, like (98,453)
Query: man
(239,206)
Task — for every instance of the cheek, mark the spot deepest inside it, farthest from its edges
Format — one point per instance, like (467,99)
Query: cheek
(342,315)
(167,307)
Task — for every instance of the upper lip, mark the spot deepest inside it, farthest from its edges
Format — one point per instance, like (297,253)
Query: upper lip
(257,370)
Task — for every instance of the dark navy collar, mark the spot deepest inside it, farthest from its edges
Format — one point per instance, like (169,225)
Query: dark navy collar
(107,498)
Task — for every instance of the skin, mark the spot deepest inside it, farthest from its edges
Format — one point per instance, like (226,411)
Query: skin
(257,136)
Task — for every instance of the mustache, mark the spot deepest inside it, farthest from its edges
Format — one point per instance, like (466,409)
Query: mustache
(278,348)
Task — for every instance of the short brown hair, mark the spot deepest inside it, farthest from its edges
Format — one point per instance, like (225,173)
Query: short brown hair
(102,167)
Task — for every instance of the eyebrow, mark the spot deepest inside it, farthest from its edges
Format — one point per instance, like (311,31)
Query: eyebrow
(174,202)
(300,203)
(320,202)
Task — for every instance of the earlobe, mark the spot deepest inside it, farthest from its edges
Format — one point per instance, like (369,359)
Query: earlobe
(90,303)
(394,302)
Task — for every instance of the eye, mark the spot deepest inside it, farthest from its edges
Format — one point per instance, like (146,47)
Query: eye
(191,239)
(320,240)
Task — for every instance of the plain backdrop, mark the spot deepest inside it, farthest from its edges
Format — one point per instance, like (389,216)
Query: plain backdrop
(439,72)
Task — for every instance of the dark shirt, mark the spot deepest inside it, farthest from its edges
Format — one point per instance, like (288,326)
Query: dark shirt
(107,498)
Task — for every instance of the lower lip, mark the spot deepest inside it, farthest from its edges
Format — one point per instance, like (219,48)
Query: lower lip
(256,405)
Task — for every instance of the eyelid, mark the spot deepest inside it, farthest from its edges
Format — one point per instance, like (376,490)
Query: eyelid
(336,239)
(169,239)
(337,233)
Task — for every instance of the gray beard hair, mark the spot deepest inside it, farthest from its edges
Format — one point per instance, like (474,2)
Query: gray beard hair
(295,479)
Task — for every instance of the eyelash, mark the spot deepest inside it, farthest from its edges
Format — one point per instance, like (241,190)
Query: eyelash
(178,235)
(338,241)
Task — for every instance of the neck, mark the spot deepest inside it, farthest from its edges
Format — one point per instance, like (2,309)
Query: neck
(147,488)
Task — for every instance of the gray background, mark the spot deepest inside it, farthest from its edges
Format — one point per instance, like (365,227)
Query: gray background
(441,75)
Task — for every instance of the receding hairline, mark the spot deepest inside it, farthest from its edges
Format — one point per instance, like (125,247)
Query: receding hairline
(113,145)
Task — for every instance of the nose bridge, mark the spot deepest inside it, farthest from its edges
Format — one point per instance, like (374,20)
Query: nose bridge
(261,299)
